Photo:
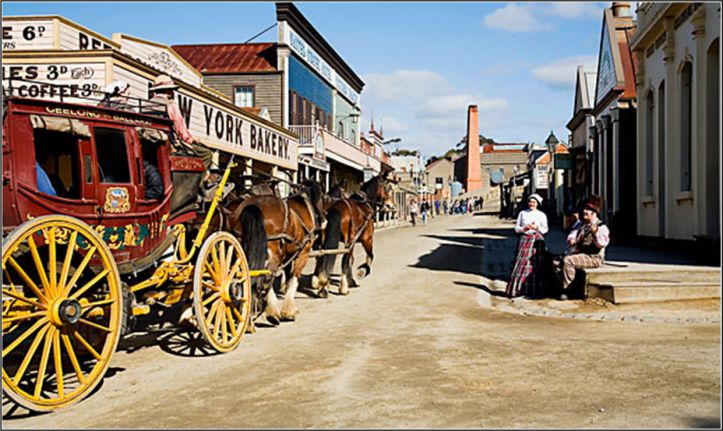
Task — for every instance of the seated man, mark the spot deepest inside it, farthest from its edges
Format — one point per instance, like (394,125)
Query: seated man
(44,184)
(154,182)
(587,241)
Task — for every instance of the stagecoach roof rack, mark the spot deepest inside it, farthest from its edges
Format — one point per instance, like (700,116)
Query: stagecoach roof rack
(53,92)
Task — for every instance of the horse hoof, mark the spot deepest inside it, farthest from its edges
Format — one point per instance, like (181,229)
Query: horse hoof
(273,320)
(363,271)
(323,293)
(288,317)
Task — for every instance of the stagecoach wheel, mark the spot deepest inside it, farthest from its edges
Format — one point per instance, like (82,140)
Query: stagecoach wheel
(62,310)
(222,291)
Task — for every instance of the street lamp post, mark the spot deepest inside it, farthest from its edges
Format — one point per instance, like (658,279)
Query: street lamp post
(552,142)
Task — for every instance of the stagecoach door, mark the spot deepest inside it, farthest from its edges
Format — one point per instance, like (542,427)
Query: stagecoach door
(115,169)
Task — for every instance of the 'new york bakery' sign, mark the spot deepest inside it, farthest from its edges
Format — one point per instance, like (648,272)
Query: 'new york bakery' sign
(221,128)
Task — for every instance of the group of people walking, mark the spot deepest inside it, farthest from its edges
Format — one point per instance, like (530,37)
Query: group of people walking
(437,208)
(538,273)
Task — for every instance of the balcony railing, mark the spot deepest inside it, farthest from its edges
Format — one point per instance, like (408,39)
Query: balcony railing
(307,134)
(646,13)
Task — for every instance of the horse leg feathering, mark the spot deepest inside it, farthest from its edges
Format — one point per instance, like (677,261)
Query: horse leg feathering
(288,308)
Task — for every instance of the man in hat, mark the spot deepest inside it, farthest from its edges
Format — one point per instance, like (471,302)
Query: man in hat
(587,242)
(162,92)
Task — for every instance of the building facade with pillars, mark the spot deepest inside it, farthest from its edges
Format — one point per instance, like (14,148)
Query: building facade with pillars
(678,82)
(613,137)
(578,178)
(305,85)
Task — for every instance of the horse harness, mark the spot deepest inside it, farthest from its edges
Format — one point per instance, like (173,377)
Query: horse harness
(308,231)
(359,231)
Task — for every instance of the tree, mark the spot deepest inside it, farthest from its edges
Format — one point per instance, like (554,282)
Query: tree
(451,153)
(404,152)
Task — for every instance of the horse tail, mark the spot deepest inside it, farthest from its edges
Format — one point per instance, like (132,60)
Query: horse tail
(253,238)
(332,236)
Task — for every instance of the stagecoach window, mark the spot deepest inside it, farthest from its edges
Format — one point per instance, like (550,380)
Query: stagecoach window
(57,155)
(110,145)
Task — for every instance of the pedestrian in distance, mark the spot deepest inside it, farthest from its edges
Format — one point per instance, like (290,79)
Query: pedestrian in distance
(424,212)
(413,208)
(586,242)
(529,271)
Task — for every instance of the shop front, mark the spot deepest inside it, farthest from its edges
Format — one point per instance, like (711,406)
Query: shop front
(614,133)
(80,63)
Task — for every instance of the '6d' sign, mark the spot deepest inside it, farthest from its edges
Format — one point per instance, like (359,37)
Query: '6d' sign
(21,35)
(40,34)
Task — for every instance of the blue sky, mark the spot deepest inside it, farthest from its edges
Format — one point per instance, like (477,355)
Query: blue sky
(422,63)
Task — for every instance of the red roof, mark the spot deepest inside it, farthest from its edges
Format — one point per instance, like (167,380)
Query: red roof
(230,57)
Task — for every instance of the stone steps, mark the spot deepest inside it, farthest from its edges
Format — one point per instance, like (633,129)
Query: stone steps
(652,291)
(662,273)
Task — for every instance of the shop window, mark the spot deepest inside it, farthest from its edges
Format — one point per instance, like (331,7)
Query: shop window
(686,122)
(298,115)
(649,115)
(57,163)
(110,146)
(244,96)
(292,108)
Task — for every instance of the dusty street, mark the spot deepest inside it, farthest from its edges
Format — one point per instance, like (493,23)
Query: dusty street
(414,347)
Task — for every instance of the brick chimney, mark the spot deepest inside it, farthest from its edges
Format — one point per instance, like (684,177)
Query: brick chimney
(474,170)
(621,9)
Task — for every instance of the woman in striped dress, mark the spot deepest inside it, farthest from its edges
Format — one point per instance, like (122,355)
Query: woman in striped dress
(528,275)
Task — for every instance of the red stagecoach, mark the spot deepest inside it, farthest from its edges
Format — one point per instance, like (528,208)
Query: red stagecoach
(86,246)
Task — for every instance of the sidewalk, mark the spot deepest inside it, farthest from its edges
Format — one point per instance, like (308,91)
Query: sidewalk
(499,243)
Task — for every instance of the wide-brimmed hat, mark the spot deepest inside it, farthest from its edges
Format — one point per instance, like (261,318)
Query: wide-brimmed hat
(536,197)
(163,82)
(593,203)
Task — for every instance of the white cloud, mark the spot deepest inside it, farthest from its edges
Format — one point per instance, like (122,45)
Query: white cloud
(531,17)
(403,85)
(452,104)
(424,109)
(575,10)
(515,18)
(560,74)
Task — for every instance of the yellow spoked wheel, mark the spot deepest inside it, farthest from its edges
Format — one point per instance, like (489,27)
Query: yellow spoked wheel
(62,309)
(222,291)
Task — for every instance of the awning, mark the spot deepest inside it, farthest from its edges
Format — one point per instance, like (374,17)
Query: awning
(60,124)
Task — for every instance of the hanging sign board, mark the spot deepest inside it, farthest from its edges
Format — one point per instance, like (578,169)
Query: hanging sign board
(541,176)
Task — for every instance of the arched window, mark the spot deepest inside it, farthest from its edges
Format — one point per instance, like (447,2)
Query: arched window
(649,116)
(686,125)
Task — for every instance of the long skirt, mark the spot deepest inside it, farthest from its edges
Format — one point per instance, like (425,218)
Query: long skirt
(529,273)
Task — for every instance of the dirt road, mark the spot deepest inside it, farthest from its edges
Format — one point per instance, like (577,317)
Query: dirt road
(413,347)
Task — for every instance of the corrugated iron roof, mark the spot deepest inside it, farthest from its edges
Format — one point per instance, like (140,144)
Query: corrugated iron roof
(230,57)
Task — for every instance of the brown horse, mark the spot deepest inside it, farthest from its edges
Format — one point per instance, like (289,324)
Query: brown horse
(277,234)
(351,220)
